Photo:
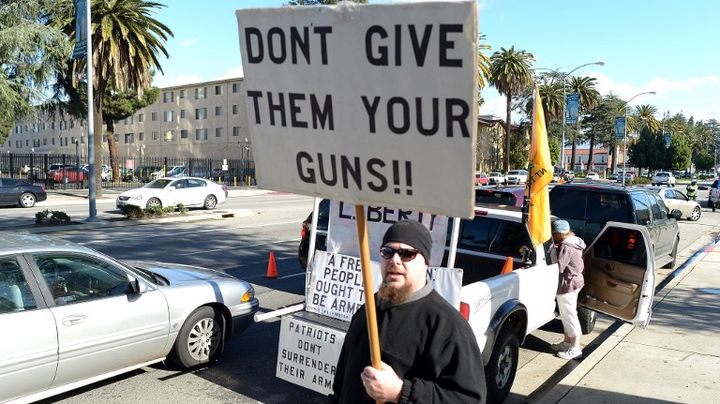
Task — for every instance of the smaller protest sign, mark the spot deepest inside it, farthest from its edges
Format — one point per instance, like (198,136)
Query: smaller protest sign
(336,286)
(308,353)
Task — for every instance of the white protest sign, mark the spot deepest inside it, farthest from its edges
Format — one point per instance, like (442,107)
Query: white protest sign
(370,104)
(336,287)
(342,229)
(308,353)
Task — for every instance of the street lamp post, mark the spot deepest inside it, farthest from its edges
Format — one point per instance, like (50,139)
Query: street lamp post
(624,174)
(564,76)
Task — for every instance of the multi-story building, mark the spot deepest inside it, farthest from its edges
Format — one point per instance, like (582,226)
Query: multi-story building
(201,120)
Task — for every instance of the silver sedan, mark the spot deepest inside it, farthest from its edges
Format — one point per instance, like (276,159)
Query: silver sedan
(71,316)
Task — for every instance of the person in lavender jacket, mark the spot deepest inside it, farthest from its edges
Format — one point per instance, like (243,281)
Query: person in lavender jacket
(570,262)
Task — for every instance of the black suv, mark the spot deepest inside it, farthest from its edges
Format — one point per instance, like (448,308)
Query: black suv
(587,207)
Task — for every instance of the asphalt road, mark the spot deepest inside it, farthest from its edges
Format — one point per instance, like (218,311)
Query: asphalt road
(240,246)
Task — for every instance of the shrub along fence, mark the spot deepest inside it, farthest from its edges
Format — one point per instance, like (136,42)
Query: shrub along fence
(67,171)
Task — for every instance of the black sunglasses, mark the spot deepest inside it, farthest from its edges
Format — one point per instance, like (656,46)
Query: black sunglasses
(405,254)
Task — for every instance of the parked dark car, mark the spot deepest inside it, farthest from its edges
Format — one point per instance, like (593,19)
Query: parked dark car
(508,196)
(589,206)
(21,193)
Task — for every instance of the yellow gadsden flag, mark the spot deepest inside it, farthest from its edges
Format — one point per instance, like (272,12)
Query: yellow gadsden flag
(541,172)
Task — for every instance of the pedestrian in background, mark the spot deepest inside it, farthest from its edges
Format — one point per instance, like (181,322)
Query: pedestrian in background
(570,262)
(429,352)
(692,190)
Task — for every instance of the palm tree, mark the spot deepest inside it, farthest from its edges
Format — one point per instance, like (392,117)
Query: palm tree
(126,42)
(483,62)
(510,73)
(589,98)
(643,117)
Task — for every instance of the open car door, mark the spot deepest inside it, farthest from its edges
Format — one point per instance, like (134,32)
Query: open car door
(620,273)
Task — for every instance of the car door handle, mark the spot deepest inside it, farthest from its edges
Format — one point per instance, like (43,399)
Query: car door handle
(74,319)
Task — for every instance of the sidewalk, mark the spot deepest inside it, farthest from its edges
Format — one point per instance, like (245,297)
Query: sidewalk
(675,360)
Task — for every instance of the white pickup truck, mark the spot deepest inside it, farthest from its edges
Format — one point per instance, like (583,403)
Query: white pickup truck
(501,309)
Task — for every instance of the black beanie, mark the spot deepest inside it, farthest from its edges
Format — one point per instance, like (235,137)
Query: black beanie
(412,233)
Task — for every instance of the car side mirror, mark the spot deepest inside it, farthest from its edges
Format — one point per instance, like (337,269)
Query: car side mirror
(675,214)
(526,253)
(137,286)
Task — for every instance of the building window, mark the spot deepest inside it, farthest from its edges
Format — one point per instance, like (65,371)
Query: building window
(218,111)
(236,131)
(27,142)
(168,96)
(183,115)
(218,90)
(155,135)
(182,93)
(72,122)
(45,142)
(183,134)
(141,117)
(169,136)
(169,116)
(129,138)
(52,141)
(200,134)
(52,125)
(141,136)
(200,93)
(235,109)
(153,116)
(235,87)
(128,121)
(218,132)
(201,113)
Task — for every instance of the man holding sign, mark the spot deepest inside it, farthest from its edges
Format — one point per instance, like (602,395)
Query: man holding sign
(429,351)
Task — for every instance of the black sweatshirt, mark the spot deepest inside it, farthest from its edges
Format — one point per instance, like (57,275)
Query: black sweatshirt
(428,345)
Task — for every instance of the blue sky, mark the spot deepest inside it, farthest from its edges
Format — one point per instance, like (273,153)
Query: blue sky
(670,47)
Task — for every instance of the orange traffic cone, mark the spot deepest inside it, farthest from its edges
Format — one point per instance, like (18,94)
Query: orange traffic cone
(272,267)
(508,267)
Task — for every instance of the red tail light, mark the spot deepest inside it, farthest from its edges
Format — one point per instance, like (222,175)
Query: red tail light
(465,310)
(304,230)
(632,240)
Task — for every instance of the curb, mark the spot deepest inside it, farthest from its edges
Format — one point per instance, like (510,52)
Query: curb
(103,223)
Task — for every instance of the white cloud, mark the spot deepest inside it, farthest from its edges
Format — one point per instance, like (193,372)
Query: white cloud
(233,73)
(181,79)
(186,43)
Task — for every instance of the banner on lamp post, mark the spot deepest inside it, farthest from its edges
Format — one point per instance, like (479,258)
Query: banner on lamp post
(620,127)
(572,108)
(80,49)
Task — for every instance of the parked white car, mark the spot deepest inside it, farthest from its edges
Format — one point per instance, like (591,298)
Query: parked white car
(189,191)
(663,178)
(593,176)
(71,316)
(675,199)
(516,177)
(496,177)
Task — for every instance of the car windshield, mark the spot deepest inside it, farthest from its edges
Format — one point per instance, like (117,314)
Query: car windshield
(158,184)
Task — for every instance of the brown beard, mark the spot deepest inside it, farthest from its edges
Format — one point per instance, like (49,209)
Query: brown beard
(394,295)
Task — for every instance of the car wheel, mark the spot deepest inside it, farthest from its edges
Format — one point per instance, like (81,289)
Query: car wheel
(27,200)
(695,215)
(671,264)
(200,339)
(153,202)
(210,202)
(587,320)
(500,371)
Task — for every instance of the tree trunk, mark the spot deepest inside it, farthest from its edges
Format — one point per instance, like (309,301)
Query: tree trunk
(97,137)
(506,157)
(590,153)
(112,148)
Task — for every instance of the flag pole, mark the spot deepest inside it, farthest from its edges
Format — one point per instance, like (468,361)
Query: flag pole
(370,315)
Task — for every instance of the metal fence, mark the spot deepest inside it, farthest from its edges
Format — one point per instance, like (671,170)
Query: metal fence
(64,171)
